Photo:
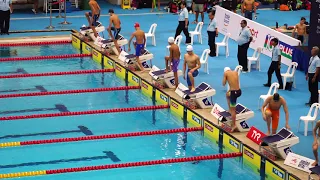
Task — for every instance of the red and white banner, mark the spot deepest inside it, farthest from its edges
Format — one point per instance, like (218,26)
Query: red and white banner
(229,22)
(255,135)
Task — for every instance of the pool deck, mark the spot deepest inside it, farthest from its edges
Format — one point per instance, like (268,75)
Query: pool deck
(205,113)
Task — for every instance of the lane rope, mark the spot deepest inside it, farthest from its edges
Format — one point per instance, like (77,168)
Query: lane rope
(99,137)
(35,43)
(56,73)
(37,58)
(123,165)
(77,91)
(78,113)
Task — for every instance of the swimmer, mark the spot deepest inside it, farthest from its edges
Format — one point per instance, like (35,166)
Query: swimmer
(271,109)
(116,28)
(193,62)
(93,16)
(232,78)
(247,9)
(140,43)
(301,29)
(174,59)
(316,142)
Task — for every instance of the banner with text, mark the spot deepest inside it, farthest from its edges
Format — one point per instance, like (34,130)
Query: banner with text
(229,22)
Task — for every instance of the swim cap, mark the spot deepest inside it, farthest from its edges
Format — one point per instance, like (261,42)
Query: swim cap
(226,69)
(136,25)
(189,48)
(276,97)
(170,40)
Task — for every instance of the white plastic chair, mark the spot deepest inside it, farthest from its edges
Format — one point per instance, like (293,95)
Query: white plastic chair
(152,34)
(204,60)
(255,59)
(309,118)
(290,75)
(273,89)
(177,41)
(224,43)
(238,69)
(197,32)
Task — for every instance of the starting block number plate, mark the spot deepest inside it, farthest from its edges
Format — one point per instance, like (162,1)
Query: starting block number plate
(255,135)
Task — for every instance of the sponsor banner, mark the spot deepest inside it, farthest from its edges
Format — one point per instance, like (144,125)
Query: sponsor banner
(176,108)
(230,143)
(252,159)
(211,132)
(193,119)
(216,110)
(133,79)
(255,135)
(120,71)
(298,162)
(261,34)
(96,56)
(108,63)
(86,49)
(161,98)
(76,42)
(146,88)
(274,172)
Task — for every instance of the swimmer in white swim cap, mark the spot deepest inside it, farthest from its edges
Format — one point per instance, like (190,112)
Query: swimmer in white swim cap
(172,61)
(193,62)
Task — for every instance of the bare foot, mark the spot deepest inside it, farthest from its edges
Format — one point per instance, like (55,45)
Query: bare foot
(314,163)
(151,10)
(192,89)
(268,133)
(234,128)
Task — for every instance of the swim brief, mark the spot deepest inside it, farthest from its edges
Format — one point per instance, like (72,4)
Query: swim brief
(116,32)
(275,117)
(95,19)
(300,38)
(194,74)
(139,48)
(234,94)
(175,64)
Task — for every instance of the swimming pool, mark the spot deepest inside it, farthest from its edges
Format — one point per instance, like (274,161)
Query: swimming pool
(92,153)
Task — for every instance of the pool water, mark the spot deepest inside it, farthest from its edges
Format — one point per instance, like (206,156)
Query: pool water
(102,152)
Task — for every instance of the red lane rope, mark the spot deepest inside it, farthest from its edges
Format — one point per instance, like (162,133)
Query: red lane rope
(35,43)
(56,73)
(78,113)
(70,91)
(37,58)
(110,136)
(145,163)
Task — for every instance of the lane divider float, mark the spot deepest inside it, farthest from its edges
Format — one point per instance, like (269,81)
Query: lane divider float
(35,43)
(38,58)
(123,165)
(99,137)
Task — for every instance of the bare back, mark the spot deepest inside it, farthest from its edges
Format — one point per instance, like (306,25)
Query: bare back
(114,19)
(191,60)
(174,51)
(95,8)
(140,36)
(233,79)
(275,105)
(249,4)
(301,29)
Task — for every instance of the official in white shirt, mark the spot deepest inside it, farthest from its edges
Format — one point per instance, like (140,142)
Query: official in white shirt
(212,31)
(183,17)
(244,41)
(313,75)
(5,11)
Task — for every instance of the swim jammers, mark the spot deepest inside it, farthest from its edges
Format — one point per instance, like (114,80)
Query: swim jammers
(234,94)
(139,48)
(275,117)
(300,38)
(116,32)
(95,19)
(194,74)
(175,64)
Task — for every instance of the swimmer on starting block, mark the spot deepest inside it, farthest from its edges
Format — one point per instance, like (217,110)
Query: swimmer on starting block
(116,28)
(93,16)
(316,142)
(271,109)
(174,59)
(193,62)
(140,43)
(232,78)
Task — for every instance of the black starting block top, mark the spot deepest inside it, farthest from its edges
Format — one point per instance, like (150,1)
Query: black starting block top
(84,28)
(200,88)
(315,170)
(130,56)
(281,135)
(106,41)
(160,72)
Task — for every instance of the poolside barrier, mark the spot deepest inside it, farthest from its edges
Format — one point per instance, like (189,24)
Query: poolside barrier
(123,165)
(107,136)
(77,91)
(35,43)
(56,73)
(37,58)
(78,113)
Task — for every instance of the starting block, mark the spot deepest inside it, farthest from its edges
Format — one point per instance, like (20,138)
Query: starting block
(278,145)
(163,79)
(199,98)
(109,45)
(242,115)
(314,170)
(87,32)
(130,60)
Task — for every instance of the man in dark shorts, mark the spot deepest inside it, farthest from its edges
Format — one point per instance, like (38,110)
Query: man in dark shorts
(232,95)
(193,62)
(198,7)
(174,59)
(140,43)
(116,28)
(93,16)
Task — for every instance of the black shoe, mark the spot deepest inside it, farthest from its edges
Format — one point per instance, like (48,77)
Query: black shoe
(267,85)
(212,55)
